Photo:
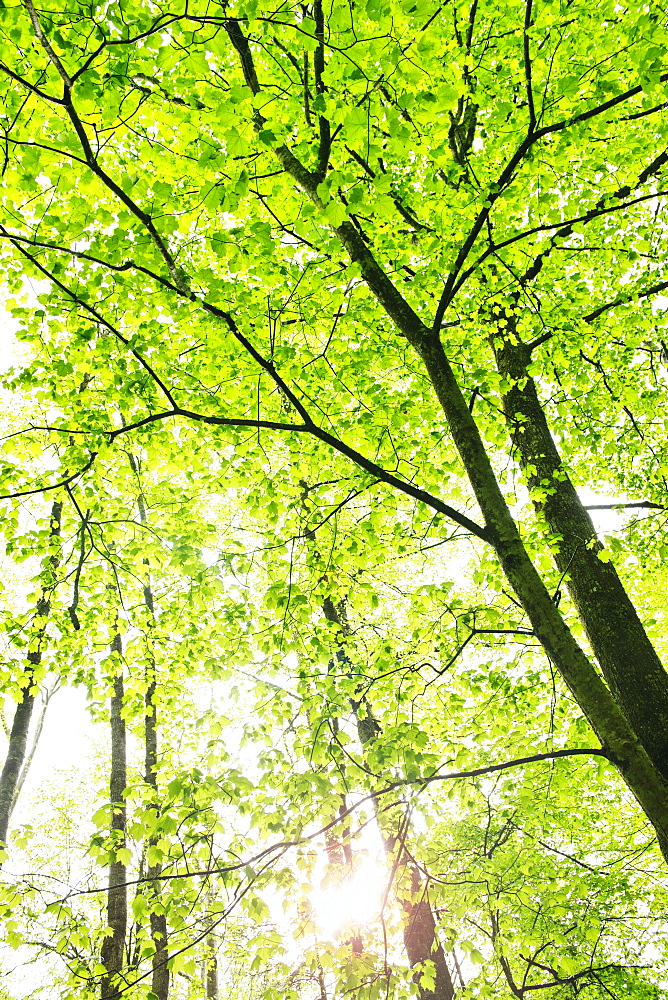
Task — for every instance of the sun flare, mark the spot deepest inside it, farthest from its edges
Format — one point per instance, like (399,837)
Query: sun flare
(353,901)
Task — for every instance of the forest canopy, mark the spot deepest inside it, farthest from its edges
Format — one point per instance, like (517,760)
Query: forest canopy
(334,483)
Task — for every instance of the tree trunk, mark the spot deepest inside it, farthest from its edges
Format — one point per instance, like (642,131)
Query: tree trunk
(160,978)
(212,976)
(158,920)
(618,737)
(420,937)
(422,942)
(46,698)
(113,946)
(626,656)
(211,968)
(18,737)
(605,716)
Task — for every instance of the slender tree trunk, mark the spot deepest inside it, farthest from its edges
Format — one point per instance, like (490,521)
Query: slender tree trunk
(18,736)
(46,698)
(211,984)
(420,936)
(113,946)
(340,860)
(211,965)
(627,658)
(160,978)
(157,916)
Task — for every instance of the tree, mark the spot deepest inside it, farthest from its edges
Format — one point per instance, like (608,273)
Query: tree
(17,757)
(401,259)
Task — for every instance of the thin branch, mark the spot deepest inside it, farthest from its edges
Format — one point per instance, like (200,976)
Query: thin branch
(98,316)
(54,486)
(46,44)
(644,504)
(330,439)
(308,425)
(624,300)
(505,178)
(518,762)
(527,65)
(391,787)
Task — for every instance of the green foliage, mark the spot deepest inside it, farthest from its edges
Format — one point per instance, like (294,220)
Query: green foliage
(221,391)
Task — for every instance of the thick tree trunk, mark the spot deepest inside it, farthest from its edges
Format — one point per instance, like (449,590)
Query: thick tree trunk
(422,942)
(627,658)
(605,716)
(420,936)
(113,946)
(618,737)
(18,737)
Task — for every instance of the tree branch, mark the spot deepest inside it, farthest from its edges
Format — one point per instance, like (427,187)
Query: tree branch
(505,178)
(54,486)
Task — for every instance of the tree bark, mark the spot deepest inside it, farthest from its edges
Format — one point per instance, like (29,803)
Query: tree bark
(605,716)
(158,920)
(113,946)
(626,656)
(617,736)
(160,977)
(422,942)
(39,726)
(18,737)
(211,967)
(211,984)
